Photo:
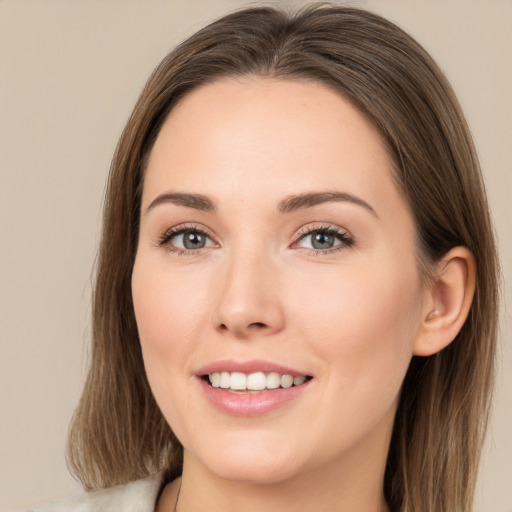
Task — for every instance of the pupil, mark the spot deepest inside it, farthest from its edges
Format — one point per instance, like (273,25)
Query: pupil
(193,240)
(322,241)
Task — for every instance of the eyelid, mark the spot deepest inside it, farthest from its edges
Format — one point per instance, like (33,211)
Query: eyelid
(345,237)
(164,239)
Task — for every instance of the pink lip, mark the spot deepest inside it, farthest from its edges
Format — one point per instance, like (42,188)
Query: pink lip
(249,404)
(255,365)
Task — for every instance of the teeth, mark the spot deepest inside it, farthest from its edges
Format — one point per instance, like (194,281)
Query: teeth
(238,381)
(258,381)
(215,380)
(297,381)
(225,379)
(273,380)
(286,381)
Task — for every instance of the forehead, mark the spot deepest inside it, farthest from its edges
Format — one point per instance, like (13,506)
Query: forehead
(268,137)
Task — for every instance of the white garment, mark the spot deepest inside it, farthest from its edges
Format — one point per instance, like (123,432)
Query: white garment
(137,496)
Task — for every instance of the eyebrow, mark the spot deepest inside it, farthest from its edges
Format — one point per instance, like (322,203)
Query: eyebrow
(310,199)
(290,204)
(196,201)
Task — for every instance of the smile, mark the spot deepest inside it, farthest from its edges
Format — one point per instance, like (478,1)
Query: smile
(238,382)
(252,388)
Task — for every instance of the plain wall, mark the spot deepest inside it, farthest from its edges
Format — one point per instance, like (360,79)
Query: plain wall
(70,72)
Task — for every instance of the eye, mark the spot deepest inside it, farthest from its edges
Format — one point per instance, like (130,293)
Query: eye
(184,239)
(190,240)
(324,239)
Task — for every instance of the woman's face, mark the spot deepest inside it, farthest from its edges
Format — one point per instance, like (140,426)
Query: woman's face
(275,246)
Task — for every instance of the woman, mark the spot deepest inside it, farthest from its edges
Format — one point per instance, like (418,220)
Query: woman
(296,295)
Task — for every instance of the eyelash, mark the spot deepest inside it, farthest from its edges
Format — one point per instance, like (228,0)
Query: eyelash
(343,236)
(179,230)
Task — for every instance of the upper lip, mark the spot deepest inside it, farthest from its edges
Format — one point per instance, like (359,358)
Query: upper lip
(248,367)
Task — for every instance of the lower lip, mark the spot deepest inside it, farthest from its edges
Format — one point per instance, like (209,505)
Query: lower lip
(251,404)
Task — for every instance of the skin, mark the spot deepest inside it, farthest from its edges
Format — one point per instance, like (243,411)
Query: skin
(352,316)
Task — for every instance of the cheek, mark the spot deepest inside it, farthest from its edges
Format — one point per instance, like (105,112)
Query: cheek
(168,317)
(363,323)
(168,306)
(361,326)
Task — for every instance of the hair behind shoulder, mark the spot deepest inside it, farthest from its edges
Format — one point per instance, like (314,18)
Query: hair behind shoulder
(119,434)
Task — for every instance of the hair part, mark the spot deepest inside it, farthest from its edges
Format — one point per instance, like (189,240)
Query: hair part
(118,432)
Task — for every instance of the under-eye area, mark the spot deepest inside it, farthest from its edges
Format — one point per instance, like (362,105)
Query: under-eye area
(238,382)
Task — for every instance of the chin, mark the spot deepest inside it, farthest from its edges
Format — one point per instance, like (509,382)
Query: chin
(251,463)
(258,473)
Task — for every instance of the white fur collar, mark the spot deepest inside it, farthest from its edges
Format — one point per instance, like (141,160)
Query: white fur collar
(137,496)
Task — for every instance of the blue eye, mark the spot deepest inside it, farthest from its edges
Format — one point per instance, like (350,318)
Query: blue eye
(325,239)
(186,239)
(190,240)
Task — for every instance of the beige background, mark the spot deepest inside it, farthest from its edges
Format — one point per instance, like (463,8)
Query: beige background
(70,72)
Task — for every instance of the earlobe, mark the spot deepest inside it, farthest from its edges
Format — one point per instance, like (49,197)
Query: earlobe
(448,301)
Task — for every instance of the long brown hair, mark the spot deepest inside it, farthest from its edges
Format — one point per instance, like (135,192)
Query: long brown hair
(119,434)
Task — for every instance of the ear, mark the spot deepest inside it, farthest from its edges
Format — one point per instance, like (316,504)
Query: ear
(447,302)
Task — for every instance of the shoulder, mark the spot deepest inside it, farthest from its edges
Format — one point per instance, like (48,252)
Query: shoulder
(137,496)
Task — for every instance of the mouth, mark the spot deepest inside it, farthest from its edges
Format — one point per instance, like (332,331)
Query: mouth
(252,388)
(253,383)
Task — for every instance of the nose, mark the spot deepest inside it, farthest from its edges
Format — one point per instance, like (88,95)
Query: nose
(249,301)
